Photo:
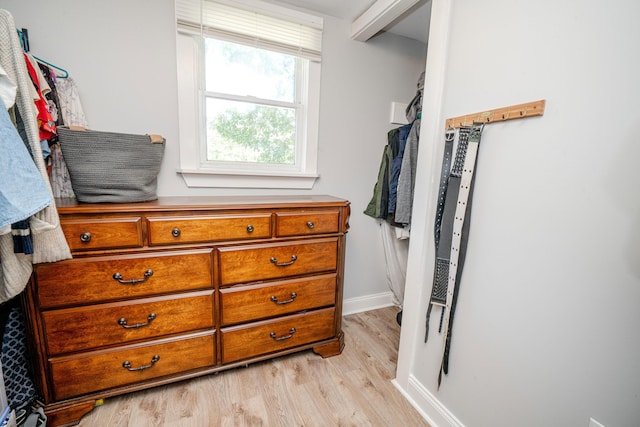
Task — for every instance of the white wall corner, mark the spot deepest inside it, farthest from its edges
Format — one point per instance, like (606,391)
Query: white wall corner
(377,17)
(431,409)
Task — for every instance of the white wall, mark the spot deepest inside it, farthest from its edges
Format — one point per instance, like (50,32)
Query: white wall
(122,55)
(546,328)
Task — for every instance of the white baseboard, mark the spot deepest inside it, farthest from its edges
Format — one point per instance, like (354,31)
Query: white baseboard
(431,409)
(366,303)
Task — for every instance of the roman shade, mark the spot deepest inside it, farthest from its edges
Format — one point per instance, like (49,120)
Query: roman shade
(253,23)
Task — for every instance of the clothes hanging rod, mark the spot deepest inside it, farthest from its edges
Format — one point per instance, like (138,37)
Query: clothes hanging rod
(512,112)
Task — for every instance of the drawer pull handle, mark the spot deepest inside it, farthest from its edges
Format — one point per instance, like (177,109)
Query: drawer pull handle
(310,224)
(118,277)
(127,365)
(285,337)
(85,237)
(249,228)
(283,264)
(275,299)
(175,232)
(123,322)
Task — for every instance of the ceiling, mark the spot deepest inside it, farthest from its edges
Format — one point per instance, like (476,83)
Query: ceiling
(413,24)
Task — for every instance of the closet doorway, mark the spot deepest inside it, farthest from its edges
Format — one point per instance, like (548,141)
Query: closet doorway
(410,19)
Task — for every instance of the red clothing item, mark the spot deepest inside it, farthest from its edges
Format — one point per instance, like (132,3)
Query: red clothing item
(46,124)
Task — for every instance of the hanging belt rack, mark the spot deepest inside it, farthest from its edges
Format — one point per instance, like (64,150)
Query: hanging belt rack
(512,112)
(454,207)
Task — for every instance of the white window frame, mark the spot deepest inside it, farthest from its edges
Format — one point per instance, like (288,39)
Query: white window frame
(193,165)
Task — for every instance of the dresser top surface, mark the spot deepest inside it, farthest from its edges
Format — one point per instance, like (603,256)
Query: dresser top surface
(67,206)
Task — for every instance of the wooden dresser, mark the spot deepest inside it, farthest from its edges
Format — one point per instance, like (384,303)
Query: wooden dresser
(168,290)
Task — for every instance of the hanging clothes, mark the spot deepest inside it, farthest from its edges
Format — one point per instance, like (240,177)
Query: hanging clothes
(396,252)
(46,124)
(414,109)
(70,104)
(49,243)
(18,172)
(407,176)
(392,198)
(394,188)
(396,168)
(383,202)
(72,115)
(382,207)
(8,89)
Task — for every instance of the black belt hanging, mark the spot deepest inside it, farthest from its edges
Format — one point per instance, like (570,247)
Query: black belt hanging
(452,229)
(439,290)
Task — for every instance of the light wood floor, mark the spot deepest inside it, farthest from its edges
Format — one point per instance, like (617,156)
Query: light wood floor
(303,389)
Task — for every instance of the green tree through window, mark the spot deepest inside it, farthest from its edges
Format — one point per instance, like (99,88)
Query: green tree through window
(251,108)
(262,134)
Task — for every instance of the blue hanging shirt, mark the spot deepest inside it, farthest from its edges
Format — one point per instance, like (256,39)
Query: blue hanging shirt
(23,191)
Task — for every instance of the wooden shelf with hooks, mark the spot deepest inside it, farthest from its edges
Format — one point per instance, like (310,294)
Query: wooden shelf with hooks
(520,111)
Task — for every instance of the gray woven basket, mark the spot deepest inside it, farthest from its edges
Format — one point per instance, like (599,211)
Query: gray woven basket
(111,167)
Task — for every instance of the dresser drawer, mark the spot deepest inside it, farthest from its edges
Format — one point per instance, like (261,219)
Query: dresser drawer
(243,342)
(84,328)
(84,235)
(198,229)
(95,371)
(250,263)
(90,280)
(303,223)
(252,302)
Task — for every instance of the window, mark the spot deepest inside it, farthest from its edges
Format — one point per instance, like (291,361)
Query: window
(248,95)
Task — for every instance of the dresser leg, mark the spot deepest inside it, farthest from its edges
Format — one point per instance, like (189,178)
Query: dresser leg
(332,348)
(67,415)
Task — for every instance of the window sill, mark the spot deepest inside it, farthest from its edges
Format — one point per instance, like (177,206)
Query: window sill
(206,178)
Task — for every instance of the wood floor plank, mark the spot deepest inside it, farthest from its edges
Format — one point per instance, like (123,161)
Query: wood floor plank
(302,389)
